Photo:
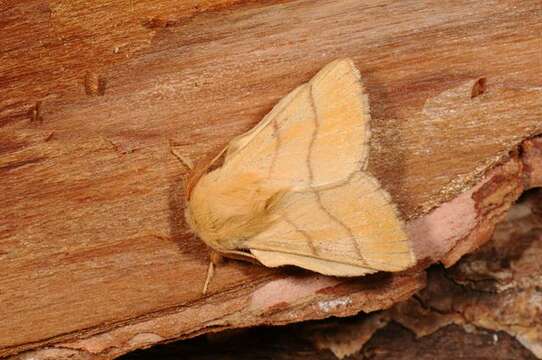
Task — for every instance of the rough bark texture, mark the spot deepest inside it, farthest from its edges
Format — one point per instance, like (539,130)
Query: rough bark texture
(472,310)
(392,342)
(497,288)
(95,257)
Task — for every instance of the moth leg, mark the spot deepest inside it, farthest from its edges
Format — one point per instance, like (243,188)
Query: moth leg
(210,274)
(214,259)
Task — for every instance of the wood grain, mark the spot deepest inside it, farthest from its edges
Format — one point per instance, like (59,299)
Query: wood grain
(92,237)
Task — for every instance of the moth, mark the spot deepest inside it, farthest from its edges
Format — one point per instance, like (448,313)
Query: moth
(295,189)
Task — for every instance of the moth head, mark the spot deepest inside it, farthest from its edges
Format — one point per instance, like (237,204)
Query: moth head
(226,210)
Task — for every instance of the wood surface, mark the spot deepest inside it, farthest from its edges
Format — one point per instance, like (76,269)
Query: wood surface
(95,257)
(473,310)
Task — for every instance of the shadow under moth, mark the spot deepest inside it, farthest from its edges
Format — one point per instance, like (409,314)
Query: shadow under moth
(295,190)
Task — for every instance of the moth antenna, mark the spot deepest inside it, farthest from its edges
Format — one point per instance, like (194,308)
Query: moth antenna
(185,160)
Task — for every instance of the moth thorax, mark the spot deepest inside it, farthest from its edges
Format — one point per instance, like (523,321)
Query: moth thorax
(224,211)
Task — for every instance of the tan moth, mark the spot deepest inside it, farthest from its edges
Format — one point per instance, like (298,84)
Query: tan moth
(295,190)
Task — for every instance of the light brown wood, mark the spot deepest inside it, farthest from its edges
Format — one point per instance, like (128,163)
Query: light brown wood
(94,253)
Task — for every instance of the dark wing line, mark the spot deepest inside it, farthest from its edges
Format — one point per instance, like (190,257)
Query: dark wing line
(311,177)
(303,233)
(278,144)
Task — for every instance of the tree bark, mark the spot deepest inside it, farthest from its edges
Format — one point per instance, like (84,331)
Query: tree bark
(96,259)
